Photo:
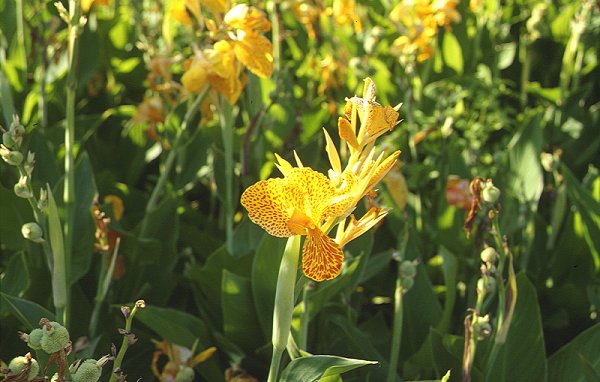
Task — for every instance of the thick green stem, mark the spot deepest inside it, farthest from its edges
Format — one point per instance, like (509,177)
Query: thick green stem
(69,185)
(397,328)
(284,303)
(227,134)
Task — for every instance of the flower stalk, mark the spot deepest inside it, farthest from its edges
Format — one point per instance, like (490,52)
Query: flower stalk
(128,337)
(284,303)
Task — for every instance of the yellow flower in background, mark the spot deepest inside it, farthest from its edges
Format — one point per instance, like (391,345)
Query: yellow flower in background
(215,6)
(222,65)
(418,22)
(87,4)
(307,14)
(182,9)
(344,13)
(179,358)
(307,203)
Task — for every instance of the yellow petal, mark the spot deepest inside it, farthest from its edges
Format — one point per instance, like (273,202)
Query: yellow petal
(215,6)
(194,79)
(231,87)
(347,133)
(284,166)
(203,356)
(242,16)
(268,206)
(117,205)
(383,168)
(255,52)
(322,257)
(332,153)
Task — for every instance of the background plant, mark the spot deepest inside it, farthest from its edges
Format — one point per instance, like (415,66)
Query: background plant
(506,93)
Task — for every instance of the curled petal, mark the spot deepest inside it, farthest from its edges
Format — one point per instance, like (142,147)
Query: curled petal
(322,257)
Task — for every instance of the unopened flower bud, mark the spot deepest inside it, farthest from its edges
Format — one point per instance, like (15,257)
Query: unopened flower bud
(490,193)
(8,140)
(43,200)
(185,374)
(88,371)
(482,327)
(22,188)
(13,158)
(55,338)
(549,161)
(29,163)
(32,231)
(18,364)
(489,255)
(407,283)
(486,285)
(408,269)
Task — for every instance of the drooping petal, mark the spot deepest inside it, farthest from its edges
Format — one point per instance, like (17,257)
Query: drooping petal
(322,257)
(255,51)
(268,206)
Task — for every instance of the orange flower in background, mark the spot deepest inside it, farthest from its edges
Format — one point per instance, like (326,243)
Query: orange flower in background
(307,203)
(106,238)
(86,5)
(458,193)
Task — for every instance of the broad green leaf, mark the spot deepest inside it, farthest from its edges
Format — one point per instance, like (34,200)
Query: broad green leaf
(28,312)
(313,368)
(452,52)
(566,365)
(506,55)
(14,279)
(175,326)
(239,318)
(522,357)
(589,209)
(526,177)
(84,227)
(59,270)
(450,269)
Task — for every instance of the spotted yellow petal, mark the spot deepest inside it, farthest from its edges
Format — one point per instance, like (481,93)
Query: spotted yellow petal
(255,52)
(383,168)
(268,206)
(322,257)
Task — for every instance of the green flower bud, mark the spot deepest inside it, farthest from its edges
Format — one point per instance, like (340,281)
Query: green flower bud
(13,158)
(29,163)
(8,140)
(34,339)
(22,188)
(54,339)
(18,364)
(407,283)
(88,371)
(185,374)
(489,255)
(32,231)
(482,327)
(550,161)
(490,193)
(408,269)
(486,284)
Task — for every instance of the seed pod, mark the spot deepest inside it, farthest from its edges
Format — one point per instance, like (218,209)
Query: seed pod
(54,339)
(88,371)
(18,364)
(32,231)
(34,339)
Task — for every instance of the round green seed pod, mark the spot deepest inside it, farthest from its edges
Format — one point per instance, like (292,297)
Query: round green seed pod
(18,364)
(33,232)
(489,255)
(490,194)
(55,339)
(407,283)
(34,339)
(408,269)
(185,374)
(88,371)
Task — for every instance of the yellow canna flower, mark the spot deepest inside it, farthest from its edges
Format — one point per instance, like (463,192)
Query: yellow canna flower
(243,16)
(307,203)
(182,9)
(195,77)
(254,51)
(215,6)
(344,12)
